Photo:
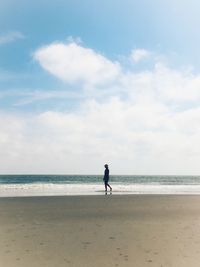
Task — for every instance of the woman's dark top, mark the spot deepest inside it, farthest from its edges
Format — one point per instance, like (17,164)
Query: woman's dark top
(106,175)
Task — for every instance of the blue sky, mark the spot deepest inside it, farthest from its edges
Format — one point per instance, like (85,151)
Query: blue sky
(113,28)
(147,55)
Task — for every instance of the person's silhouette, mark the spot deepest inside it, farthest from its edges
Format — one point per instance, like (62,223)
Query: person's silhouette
(106,178)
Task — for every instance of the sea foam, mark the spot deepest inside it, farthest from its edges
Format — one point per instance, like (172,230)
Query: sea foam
(48,189)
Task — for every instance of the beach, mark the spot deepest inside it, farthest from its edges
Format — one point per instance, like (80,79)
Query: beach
(102,230)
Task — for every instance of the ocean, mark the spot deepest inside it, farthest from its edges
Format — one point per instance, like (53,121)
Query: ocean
(46,185)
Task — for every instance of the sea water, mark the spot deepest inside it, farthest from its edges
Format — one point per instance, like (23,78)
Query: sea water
(48,185)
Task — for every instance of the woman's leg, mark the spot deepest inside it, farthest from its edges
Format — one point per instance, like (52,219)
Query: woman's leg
(105,186)
(109,187)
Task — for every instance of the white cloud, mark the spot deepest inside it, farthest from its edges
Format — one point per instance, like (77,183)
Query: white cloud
(31,97)
(72,63)
(11,37)
(139,54)
(133,138)
(143,122)
(166,85)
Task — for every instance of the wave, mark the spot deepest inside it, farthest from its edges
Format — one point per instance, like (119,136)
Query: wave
(51,189)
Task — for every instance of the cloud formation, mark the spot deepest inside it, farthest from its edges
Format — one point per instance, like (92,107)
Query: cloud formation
(139,54)
(133,138)
(74,63)
(144,122)
(11,37)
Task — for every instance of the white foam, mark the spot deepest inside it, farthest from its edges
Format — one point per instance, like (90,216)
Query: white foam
(41,189)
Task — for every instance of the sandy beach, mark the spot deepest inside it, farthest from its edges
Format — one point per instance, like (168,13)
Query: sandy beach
(94,231)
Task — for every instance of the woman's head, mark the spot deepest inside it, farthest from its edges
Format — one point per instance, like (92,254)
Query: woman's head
(106,165)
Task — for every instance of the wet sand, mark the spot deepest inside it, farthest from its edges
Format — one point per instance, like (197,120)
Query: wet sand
(96,231)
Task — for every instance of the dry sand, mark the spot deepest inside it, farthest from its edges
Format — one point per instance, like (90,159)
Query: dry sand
(100,231)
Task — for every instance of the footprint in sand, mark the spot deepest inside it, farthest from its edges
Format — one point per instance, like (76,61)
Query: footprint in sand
(126,257)
(111,237)
(86,243)
(67,261)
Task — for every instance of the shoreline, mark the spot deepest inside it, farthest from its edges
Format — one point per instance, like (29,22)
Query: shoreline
(49,189)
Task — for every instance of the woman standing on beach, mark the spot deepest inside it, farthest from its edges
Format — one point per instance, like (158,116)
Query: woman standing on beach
(106,178)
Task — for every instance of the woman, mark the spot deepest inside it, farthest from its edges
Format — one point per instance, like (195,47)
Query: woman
(106,178)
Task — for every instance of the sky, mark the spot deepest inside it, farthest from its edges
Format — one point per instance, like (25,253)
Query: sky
(84,83)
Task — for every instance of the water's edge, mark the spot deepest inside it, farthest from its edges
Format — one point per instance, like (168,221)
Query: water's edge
(48,189)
